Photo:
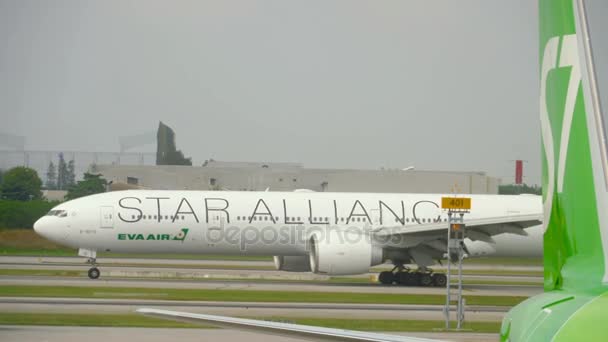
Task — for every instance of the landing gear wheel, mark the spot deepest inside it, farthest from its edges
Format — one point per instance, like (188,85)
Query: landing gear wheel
(426,279)
(439,279)
(386,278)
(414,279)
(409,278)
(94,273)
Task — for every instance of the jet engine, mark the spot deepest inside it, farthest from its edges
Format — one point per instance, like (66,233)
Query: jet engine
(479,248)
(336,252)
(292,263)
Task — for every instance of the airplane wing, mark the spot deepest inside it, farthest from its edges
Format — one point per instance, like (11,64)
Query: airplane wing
(476,229)
(426,242)
(278,328)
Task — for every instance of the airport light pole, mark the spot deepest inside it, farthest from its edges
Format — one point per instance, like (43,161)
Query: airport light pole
(457,207)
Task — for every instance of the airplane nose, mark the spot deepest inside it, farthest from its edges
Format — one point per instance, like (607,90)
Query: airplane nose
(38,226)
(45,228)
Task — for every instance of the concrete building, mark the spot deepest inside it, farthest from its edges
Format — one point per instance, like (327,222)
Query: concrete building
(83,160)
(290,176)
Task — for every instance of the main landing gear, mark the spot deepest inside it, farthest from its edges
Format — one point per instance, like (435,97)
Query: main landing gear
(407,277)
(94,272)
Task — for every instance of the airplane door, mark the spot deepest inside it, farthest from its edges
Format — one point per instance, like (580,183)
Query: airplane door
(107,217)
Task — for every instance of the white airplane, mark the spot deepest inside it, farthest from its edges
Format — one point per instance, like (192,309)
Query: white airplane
(326,233)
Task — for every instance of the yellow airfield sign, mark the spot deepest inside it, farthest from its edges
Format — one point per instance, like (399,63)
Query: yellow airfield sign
(456,203)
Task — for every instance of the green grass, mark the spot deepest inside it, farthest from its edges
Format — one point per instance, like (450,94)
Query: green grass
(67,252)
(50,273)
(92,320)
(513,261)
(498,272)
(25,242)
(388,325)
(245,295)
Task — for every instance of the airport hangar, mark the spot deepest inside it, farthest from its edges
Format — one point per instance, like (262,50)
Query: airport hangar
(260,176)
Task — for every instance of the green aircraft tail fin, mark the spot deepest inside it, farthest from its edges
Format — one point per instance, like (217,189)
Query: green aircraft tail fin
(574,152)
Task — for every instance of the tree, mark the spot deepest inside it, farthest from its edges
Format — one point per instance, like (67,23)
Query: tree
(62,171)
(22,184)
(93,168)
(51,176)
(70,178)
(91,184)
(166,151)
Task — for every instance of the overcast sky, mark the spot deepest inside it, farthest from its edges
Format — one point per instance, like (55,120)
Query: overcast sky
(449,85)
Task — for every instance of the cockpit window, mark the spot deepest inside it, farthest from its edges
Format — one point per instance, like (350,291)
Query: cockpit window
(59,213)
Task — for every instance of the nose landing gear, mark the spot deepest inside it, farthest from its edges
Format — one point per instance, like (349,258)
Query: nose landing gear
(94,272)
(91,256)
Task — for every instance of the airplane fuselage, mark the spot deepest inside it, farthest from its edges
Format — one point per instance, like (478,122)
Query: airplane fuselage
(268,223)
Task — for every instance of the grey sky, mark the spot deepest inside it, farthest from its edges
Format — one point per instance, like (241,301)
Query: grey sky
(337,84)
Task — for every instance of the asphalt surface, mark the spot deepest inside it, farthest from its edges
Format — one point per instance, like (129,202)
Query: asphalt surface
(191,274)
(95,334)
(478,290)
(250,309)
(196,262)
(208,274)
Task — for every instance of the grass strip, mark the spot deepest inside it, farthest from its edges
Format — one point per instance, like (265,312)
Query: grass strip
(50,273)
(513,261)
(388,324)
(245,295)
(499,272)
(65,252)
(92,320)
